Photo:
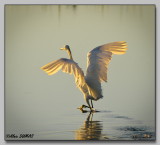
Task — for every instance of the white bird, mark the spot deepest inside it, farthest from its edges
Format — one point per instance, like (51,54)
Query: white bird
(97,66)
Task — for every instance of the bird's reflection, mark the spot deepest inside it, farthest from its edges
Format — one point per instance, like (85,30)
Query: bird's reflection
(90,130)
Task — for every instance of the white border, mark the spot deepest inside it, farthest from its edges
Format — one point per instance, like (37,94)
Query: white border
(80,2)
(3,2)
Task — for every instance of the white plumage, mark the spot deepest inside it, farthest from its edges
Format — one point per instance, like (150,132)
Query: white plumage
(97,66)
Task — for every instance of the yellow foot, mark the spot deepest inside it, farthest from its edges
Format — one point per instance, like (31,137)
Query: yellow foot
(83,106)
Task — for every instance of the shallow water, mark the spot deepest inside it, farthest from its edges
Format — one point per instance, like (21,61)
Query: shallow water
(102,125)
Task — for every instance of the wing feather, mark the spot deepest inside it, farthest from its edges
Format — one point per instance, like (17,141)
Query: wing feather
(99,58)
(67,66)
(54,69)
(97,65)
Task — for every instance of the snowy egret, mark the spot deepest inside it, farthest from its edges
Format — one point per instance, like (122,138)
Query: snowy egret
(97,66)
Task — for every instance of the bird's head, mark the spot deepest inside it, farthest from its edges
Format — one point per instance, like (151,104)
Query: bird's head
(66,47)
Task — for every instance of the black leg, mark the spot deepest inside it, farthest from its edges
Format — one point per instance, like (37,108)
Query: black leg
(87,101)
(92,103)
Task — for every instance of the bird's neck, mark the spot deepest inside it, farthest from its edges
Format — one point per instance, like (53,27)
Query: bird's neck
(70,54)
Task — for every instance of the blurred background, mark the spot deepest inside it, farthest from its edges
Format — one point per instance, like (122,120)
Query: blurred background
(33,36)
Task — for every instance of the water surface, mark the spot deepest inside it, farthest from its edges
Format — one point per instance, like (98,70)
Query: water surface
(102,125)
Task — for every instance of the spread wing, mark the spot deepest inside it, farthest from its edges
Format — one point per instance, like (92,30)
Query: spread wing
(97,64)
(67,66)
